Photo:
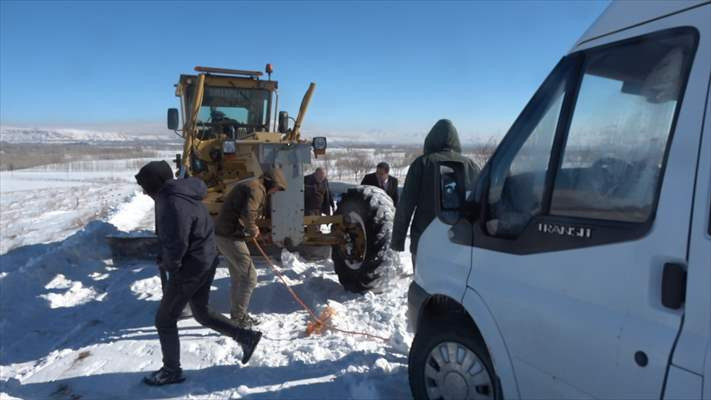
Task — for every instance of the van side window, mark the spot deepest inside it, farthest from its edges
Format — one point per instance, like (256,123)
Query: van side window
(518,173)
(592,141)
(613,157)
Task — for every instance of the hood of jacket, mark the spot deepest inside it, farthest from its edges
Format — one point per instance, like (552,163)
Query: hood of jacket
(442,137)
(276,175)
(153,175)
(190,188)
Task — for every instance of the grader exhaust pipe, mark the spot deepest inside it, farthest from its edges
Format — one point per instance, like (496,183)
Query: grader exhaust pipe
(296,132)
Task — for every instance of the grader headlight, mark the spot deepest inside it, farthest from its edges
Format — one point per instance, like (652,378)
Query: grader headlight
(229,147)
(319,144)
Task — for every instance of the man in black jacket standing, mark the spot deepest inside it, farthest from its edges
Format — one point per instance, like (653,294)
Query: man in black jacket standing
(382,179)
(441,144)
(189,255)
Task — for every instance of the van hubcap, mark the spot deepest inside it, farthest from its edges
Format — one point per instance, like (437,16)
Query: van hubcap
(453,371)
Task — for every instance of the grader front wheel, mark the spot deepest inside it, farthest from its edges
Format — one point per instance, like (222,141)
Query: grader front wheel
(367,223)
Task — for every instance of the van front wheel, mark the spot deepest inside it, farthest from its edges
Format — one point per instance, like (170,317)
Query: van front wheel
(448,362)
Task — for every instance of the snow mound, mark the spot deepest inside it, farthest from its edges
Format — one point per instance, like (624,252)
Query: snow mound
(76,294)
(132,214)
(147,289)
(59,282)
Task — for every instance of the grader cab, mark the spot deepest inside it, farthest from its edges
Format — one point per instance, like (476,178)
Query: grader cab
(232,132)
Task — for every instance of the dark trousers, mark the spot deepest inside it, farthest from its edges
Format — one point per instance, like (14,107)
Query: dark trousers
(194,290)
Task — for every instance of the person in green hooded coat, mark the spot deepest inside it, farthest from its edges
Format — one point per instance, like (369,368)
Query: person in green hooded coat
(441,144)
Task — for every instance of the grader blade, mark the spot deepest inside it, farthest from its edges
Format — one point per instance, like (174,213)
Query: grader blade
(126,249)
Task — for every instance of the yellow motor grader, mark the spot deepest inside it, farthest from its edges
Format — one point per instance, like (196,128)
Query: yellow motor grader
(232,132)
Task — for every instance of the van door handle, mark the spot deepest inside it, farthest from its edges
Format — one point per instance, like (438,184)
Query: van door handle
(673,285)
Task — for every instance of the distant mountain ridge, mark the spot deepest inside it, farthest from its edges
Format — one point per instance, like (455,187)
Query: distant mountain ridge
(120,135)
(14,134)
(69,135)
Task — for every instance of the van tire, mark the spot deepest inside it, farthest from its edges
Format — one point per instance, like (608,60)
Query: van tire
(372,209)
(432,334)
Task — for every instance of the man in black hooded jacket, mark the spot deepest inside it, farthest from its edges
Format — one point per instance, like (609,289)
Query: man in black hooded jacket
(189,255)
(441,144)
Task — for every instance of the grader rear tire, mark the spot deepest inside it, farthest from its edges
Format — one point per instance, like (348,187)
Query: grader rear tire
(368,214)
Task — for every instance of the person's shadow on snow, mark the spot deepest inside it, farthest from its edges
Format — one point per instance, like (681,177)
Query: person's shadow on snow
(323,379)
(32,328)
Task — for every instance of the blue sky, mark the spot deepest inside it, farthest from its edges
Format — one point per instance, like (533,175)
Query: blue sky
(391,68)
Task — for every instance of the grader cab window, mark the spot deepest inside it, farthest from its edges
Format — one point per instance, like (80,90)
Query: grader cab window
(247,106)
(214,114)
(243,110)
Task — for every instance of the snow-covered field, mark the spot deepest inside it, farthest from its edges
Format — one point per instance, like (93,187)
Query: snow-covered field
(48,203)
(29,134)
(75,326)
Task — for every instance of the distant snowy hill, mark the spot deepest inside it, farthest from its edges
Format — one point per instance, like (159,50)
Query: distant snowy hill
(67,135)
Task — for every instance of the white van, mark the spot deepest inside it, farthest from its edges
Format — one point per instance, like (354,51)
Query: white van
(579,265)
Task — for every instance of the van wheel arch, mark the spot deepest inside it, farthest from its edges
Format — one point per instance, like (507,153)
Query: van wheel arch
(440,307)
(441,310)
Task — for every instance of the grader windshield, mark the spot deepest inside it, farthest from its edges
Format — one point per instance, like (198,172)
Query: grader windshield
(245,108)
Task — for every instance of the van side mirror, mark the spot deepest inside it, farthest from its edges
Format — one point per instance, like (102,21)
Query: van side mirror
(283,124)
(450,191)
(173,119)
(451,194)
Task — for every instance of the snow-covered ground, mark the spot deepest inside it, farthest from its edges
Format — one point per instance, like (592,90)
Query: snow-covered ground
(49,203)
(75,326)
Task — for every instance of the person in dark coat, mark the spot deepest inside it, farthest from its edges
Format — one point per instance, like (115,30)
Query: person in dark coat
(189,256)
(441,144)
(317,195)
(382,179)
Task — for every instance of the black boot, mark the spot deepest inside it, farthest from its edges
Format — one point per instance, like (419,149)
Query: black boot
(164,376)
(249,343)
